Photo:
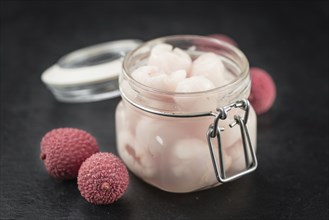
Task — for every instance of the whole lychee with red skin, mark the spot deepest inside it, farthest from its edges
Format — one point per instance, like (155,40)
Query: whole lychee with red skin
(263,91)
(224,38)
(64,149)
(103,179)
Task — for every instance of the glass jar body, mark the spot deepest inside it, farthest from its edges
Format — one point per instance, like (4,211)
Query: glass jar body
(172,152)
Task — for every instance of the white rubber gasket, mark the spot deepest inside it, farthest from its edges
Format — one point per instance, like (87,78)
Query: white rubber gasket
(75,68)
(89,74)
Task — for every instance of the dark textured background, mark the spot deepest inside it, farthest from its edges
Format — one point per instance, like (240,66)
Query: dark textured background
(290,40)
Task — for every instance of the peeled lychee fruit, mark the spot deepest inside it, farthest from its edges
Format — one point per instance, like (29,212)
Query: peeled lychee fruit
(103,179)
(210,66)
(263,91)
(224,38)
(194,84)
(173,79)
(168,59)
(64,149)
(151,76)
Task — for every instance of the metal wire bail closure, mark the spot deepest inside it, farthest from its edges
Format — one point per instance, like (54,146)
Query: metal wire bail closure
(214,131)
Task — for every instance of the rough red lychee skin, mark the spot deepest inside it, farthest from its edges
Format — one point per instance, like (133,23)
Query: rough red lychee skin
(64,149)
(224,38)
(103,179)
(263,90)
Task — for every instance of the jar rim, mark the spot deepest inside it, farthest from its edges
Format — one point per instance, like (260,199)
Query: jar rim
(244,66)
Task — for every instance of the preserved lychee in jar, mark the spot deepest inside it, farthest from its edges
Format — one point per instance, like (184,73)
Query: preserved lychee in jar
(184,123)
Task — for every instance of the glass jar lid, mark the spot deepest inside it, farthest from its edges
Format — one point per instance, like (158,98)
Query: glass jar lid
(89,74)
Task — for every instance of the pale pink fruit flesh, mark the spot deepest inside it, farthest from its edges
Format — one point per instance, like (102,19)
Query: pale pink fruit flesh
(211,66)
(169,60)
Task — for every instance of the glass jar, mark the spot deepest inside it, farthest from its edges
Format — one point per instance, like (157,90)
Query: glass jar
(183,142)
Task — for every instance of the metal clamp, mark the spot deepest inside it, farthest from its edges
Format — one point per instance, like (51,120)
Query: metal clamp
(214,131)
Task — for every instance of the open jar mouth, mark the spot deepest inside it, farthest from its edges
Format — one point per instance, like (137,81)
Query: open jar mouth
(233,54)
